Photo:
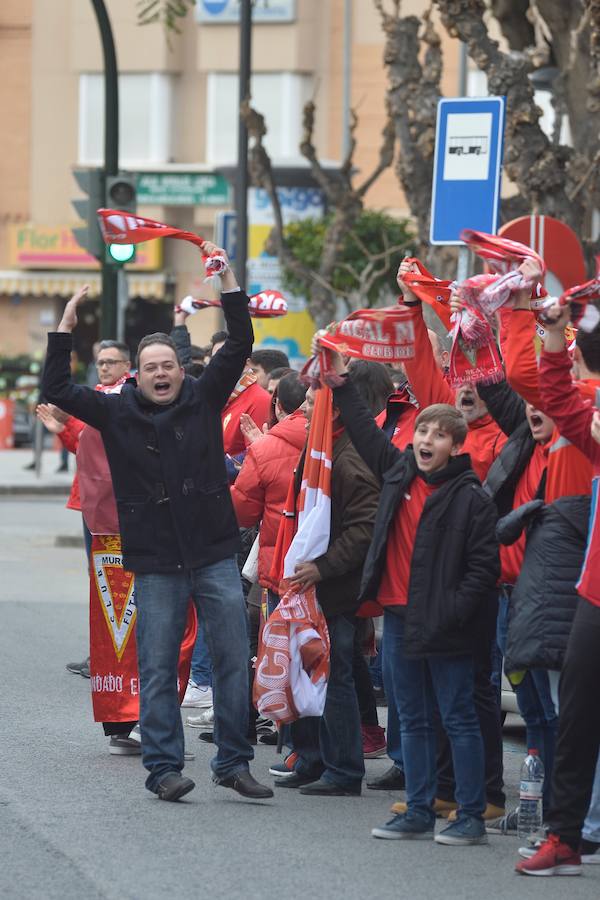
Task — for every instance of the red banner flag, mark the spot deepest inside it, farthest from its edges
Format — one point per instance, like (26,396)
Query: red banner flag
(380,335)
(113,653)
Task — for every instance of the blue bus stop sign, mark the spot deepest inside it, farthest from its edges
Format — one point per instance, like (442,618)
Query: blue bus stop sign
(467,167)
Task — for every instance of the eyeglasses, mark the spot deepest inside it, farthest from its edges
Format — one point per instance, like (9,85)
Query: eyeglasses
(109,362)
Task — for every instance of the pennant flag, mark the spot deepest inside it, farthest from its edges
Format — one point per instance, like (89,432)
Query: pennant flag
(380,335)
(114,675)
(433,291)
(292,663)
(120,227)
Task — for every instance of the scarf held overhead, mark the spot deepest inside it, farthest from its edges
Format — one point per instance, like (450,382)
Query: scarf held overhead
(265,305)
(379,335)
(120,227)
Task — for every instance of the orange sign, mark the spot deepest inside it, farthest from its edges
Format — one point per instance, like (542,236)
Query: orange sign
(54,247)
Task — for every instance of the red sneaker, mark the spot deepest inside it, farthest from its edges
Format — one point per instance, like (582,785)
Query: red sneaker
(373,738)
(553,858)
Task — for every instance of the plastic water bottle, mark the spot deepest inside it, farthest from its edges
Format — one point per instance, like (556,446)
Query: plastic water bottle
(530,795)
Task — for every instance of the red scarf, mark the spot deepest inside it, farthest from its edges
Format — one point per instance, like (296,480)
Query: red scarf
(380,335)
(266,305)
(120,227)
(433,291)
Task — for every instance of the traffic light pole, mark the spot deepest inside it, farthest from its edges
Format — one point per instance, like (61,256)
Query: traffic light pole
(108,300)
(241,182)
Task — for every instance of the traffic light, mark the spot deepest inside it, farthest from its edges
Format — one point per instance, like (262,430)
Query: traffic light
(88,236)
(120,193)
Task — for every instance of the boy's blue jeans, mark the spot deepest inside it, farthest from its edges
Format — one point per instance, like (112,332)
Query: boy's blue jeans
(418,683)
(162,606)
(201,673)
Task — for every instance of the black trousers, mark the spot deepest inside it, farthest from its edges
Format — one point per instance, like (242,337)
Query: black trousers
(488,711)
(578,739)
(363,685)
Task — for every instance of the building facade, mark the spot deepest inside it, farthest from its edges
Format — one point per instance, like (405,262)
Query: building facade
(178,129)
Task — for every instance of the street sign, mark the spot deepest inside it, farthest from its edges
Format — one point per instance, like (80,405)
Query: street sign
(226,233)
(182,189)
(467,167)
(218,12)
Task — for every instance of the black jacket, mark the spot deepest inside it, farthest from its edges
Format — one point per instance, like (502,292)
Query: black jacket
(167,462)
(455,563)
(544,599)
(508,409)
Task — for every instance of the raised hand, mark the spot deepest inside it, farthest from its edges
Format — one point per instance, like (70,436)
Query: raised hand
(44,412)
(69,316)
(250,429)
(404,268)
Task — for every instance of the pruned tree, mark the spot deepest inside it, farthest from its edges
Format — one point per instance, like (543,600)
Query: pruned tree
(345,202)
(551,177)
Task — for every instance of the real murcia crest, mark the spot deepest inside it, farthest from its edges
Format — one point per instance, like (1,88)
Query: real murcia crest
(116,590)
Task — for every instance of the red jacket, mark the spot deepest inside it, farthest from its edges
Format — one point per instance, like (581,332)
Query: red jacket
(485,439)
(69,438)
(573,414)
(257,403)
(261,488)
(569,470)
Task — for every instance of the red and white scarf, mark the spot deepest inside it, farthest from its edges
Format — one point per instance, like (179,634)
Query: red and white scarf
(380,335)
(292,663)
(265,305)
(120,227)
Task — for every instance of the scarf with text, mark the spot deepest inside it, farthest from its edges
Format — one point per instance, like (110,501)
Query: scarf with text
(265,305)
(379,335)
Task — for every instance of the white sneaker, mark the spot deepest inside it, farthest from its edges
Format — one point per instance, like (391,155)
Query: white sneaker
(206,719)
(197,695)
(136,735)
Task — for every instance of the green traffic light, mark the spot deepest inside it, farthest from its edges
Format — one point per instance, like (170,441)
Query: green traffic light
(121,252)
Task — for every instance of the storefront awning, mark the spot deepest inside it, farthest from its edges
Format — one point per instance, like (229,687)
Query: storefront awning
(147,285)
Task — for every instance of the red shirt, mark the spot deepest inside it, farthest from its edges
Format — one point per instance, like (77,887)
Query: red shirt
(393,590)
(511,558)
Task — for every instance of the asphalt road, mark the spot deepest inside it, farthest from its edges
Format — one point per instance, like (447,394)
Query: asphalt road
(77,823)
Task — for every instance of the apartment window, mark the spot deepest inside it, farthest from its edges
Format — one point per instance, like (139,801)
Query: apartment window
(145,104)
(279,96)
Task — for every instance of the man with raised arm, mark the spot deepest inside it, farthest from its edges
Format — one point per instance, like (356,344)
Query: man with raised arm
(164,442)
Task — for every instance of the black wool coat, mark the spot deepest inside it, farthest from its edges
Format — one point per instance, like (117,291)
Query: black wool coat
(167,462)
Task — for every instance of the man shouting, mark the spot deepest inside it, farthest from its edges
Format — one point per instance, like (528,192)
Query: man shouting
(164,442)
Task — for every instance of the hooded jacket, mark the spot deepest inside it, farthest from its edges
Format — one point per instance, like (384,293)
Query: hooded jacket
(455,564)
(261,487)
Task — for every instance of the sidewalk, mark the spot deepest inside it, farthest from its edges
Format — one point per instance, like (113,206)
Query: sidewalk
(15,479)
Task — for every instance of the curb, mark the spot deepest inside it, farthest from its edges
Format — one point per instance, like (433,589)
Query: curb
(44,490)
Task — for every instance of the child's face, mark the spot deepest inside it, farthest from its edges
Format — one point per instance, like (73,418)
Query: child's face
(433,447)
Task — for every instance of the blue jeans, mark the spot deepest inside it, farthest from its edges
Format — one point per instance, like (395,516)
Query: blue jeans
(332,745)
(391,642)
(418,684)
(201,665)
(534,699)
(162,606)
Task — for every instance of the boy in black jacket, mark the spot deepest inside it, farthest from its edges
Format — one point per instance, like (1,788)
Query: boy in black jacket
(433,565)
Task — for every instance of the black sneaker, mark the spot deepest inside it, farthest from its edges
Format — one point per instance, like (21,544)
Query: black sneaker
(81,668)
